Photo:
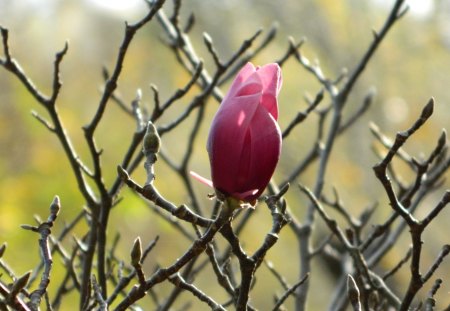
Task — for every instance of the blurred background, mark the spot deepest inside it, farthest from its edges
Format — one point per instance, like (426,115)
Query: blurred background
(411,66)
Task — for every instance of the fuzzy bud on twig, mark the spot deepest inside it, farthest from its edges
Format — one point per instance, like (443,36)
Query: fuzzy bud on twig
(136,252)
(152,141)
(19,284)
(54,209)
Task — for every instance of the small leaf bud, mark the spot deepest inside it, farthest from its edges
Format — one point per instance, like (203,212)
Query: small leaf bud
(136,252)
(152,141)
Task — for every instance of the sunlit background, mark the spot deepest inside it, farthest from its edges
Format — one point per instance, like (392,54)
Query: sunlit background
(412,65)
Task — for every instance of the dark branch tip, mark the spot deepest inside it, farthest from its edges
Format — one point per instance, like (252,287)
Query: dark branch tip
(64,50)
(283,190)
(55,206)
(21,282)
(2,249)
(273,31)
(4,31)
(29,227)
(207,38)
(403,11)
(154,88)
(136,252)
(369,96)
(105,73)
(446,198)
(446,249)
(428,109)
(443,138)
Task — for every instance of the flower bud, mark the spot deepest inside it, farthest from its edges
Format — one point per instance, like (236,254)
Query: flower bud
(244,141)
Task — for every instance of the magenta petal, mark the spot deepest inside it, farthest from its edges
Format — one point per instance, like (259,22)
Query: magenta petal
(270,76)
(269,102)
(265,148)
(250,88)
(226,141)
(242,76)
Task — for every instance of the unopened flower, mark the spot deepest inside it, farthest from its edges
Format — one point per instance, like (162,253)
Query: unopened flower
(244,142)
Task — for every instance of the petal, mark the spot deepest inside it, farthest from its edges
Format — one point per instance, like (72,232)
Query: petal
(265,149)
(241,77)
(226,140)
(251,86)
(270,103)
(270,76)
(201,179)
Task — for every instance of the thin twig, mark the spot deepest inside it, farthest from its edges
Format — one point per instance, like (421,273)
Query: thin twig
(289,292)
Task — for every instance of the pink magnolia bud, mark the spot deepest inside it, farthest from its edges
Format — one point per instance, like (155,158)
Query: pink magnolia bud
(244,142)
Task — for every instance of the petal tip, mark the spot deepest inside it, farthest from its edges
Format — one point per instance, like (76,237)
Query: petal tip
(201,179)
